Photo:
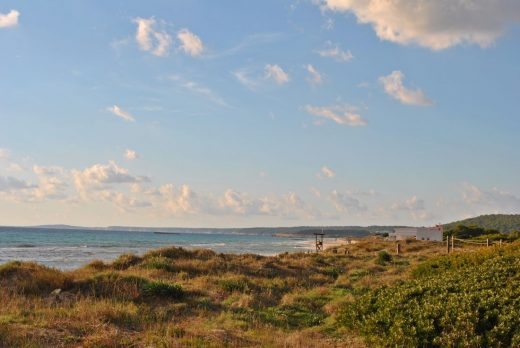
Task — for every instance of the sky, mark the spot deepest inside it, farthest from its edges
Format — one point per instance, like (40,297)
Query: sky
(258,113)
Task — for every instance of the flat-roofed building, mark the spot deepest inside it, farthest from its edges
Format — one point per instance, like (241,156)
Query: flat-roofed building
(419,233)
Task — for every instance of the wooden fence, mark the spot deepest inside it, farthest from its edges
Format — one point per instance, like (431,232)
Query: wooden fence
(452,243)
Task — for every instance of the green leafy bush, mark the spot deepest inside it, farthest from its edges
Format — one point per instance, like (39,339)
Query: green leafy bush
(468,300)
(383,257)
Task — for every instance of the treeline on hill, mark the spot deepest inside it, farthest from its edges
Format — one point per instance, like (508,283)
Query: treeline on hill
(500,222)
(477,232)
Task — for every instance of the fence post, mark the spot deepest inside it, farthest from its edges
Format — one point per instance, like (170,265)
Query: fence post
(487,242)
(447,244)
(500,244)
(452,243)
(397,248)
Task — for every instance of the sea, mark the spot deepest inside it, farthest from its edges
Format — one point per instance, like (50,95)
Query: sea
(72,248)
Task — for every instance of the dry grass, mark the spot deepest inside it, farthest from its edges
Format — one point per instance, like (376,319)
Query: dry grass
(178,298)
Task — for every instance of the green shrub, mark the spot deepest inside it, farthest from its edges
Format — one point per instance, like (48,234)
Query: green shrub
(31,278)
(235,284)
(291,317)
(162,290)
(112,285)
(158,262)
(333,271)
(472,304)
(383,257)
(125,261)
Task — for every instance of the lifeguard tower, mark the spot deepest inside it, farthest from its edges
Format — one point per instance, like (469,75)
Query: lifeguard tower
(319,241)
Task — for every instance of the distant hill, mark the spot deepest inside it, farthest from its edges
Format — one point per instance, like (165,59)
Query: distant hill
(500,222)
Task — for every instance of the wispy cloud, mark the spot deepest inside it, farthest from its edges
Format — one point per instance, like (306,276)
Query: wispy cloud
(151,40)
(116,110)
(242,76)
(327,172)
(314,76)
(340,114)
(393,85)
(10,19)
(334,51)
(131,155)
(254,40)
(276,73)
(190,43)
(199,89)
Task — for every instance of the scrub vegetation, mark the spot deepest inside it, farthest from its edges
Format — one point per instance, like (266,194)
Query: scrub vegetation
(356,295)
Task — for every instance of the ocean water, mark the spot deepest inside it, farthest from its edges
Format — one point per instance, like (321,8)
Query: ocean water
(68,249)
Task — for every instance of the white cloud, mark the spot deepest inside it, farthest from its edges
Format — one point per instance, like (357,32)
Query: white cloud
(123,202)
(116,110)
(8,183)
(131,155)
(327,172)
(490,201)
(343,115)
(190,43)
(345,202)
(99,176)
(239,202)
(151,40)
(15,167)
(435,24)
(276,73)
(335,52)
(49,187)
(393,85)
(48,171)
(4,154)
(179,201)
(289,205)
(315,77)
(10,19)
(412,204)
(315,192)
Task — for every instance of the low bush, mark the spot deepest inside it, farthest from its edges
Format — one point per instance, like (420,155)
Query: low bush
(383,257)
(475,304)
(31,278)
(238,284)
(162,290)
(158,262)
(125,261)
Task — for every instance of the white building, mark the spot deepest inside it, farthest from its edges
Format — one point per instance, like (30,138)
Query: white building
(419,233)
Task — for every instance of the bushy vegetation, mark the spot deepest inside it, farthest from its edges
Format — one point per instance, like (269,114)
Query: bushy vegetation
(470,300)
(383,257)
(175,297)
(476,232)
(500,222)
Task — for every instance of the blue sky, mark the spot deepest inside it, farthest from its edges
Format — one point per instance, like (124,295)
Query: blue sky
(204,113)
